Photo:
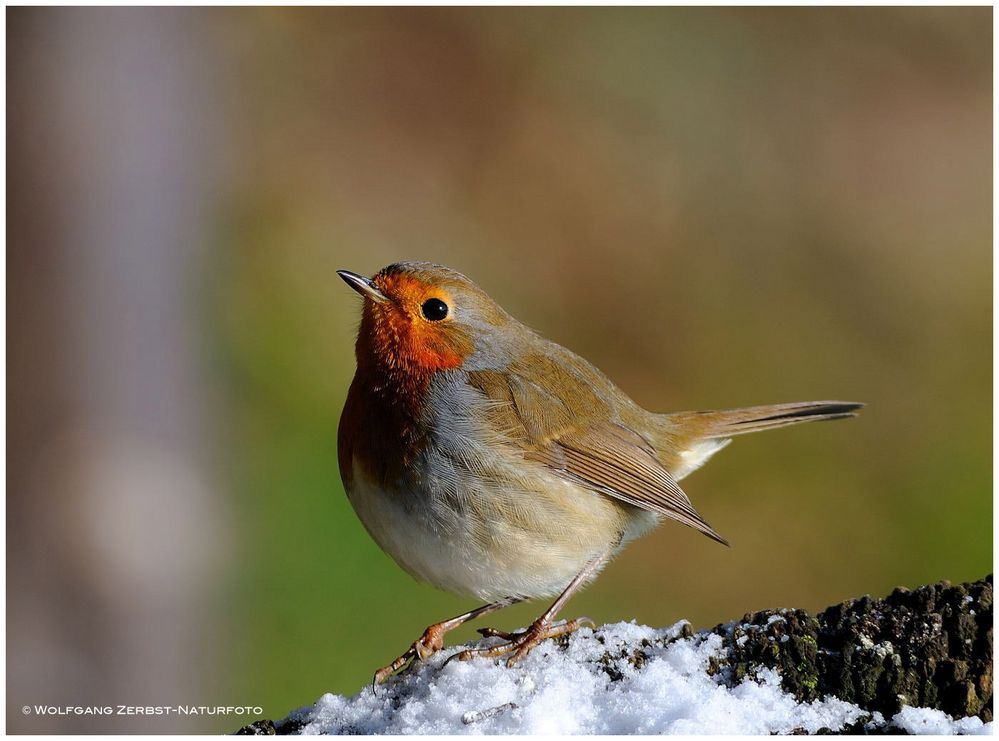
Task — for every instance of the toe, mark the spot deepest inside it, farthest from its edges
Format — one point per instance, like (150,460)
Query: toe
(493,633)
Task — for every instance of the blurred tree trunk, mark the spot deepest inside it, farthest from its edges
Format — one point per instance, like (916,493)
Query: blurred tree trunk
(112,531)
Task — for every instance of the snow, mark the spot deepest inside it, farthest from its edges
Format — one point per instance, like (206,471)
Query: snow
(936,722)
(591,687)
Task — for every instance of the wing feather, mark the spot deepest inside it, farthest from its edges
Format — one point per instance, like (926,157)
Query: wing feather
(573,432)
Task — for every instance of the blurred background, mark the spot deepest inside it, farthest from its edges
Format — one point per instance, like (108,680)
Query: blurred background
(717,207)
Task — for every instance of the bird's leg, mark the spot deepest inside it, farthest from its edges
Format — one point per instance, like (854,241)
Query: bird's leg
(432,639)
(522,642)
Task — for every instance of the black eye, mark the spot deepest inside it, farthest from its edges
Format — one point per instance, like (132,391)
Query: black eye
(434,309)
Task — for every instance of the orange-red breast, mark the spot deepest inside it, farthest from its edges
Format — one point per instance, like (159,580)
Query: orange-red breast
(489,461)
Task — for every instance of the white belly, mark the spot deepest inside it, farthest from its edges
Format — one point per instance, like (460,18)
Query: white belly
(494,545)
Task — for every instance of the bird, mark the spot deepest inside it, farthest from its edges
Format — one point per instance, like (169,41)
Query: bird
(493,463)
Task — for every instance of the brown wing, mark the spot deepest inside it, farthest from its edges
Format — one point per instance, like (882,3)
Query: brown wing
(562,422)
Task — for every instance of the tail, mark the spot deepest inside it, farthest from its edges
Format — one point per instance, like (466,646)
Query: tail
(699,435)
(713,425)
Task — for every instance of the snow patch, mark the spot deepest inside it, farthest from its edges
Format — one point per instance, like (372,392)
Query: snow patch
(923,721)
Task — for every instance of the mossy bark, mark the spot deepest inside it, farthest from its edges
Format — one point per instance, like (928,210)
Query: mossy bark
(929,647)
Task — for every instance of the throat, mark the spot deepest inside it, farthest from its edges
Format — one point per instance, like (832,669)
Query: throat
(398,391)
(382,429)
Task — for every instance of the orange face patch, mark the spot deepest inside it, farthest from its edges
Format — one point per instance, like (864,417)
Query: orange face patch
(401,339)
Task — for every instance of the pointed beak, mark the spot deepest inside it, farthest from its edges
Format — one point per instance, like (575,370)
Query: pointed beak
(364,286)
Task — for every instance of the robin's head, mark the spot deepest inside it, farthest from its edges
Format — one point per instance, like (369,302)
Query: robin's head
(419,318)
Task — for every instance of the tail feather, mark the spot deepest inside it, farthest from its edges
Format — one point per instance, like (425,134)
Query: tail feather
(727,423)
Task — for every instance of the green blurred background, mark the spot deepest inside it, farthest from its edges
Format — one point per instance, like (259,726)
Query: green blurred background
(717,207)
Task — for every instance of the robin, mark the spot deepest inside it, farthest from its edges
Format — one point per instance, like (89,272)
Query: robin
(491,462)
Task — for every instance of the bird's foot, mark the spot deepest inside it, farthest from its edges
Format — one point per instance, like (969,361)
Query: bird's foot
(522,642)
(423,648)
